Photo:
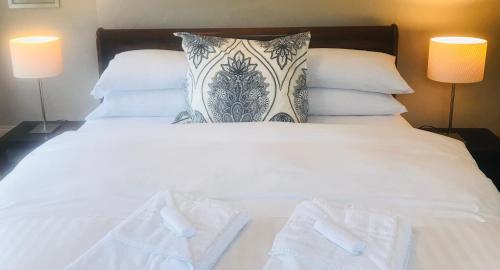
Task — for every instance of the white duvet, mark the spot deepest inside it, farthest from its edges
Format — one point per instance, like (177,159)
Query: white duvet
(68,193)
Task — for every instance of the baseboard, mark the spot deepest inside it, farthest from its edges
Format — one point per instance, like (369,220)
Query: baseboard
(5,129)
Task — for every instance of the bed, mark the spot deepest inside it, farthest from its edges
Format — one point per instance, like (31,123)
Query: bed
(68,193)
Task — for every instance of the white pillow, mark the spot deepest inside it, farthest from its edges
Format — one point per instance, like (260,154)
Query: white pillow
(143,70)
(356,70)
(352,102)
(141,103)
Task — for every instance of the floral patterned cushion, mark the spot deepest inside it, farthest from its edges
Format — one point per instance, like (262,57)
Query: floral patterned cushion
(237,80)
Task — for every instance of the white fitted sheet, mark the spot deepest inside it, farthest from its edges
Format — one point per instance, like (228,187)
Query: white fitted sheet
(375,120)
(68,193)
(144,122)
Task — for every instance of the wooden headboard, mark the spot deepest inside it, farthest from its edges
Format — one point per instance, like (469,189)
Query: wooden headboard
(371,38)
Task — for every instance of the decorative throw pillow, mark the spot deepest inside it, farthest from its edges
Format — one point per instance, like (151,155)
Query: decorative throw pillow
(237,80)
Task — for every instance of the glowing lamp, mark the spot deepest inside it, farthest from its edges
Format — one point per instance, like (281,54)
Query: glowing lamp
(456,60)
(37,58)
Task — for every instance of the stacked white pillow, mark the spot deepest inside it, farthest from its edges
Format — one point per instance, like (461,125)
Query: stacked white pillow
(151,83)
(328,102)
(142,83)
(141,103)
(143,70)
(355,70)
(354,82)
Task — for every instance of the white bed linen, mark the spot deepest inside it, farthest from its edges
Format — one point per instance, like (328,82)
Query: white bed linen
(71,191)
(146,122)
(374,120)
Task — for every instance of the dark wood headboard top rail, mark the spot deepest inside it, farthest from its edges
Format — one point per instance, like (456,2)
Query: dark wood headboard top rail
(371,38)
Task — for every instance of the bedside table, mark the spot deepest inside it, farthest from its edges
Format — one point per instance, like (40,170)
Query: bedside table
(19,142)
(483,145)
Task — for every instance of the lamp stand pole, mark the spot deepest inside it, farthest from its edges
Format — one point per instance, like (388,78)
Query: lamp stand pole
(450,132)
(452,102)
(42,104)
(45,127)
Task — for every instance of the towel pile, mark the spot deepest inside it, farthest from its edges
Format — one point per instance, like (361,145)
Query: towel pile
(178,232)
(171,231)
(323,236)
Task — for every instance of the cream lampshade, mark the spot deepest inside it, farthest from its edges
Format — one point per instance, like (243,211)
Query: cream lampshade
(456,60)
(37,58)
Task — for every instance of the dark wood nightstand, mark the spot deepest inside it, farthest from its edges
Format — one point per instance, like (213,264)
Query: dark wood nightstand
(483,145)
(19,142)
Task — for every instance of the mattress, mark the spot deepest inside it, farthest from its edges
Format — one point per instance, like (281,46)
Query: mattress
(144,122)
(49,215)
(374,120)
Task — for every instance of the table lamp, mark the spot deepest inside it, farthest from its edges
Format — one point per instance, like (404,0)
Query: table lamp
(456,60)
(37,57)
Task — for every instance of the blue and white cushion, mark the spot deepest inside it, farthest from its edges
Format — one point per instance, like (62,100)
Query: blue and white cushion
(238,80)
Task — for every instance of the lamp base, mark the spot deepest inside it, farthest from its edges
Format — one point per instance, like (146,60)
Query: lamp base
(49,128)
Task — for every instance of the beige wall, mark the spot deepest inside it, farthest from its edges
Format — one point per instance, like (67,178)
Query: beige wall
(477,105)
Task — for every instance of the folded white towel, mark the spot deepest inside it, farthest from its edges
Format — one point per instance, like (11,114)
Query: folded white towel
(300,246)
(142,241)
(176,222)
(340,236)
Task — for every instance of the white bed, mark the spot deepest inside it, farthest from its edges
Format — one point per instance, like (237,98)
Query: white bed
(140,122)
(71,191)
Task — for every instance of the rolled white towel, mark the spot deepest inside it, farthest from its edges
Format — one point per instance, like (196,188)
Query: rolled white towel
(177,223)
(340,236)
